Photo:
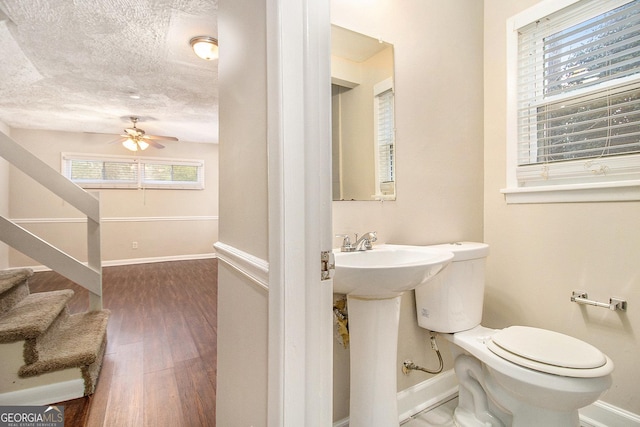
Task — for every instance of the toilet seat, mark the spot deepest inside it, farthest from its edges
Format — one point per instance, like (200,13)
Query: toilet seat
(551,352)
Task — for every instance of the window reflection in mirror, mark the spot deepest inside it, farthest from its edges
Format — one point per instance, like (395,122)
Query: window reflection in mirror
(363,133)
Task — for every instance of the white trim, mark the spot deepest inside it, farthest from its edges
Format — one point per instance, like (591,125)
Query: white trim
(252,267)
(133,261)
(44,395)
(538,11)
(443,387)
(299,183)
(115,219)
(422,396)
(427,394)
(602,414)
(96,156)
(597,192)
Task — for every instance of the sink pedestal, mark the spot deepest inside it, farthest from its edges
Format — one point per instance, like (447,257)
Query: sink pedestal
(374,281)
(373,342)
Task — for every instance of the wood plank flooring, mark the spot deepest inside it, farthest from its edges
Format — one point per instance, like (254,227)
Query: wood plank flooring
(160,365)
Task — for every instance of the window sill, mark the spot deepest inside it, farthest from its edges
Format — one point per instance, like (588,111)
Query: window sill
(619,191)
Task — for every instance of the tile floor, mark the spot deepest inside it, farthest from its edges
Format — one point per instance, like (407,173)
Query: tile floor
(440,416)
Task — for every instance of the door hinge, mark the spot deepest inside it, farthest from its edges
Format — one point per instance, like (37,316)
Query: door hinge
(327,265)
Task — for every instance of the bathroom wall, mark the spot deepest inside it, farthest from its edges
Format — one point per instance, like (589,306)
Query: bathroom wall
(439,119)
(541,252)
(165,223)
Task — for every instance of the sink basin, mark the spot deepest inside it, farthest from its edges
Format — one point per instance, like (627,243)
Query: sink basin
(386,271)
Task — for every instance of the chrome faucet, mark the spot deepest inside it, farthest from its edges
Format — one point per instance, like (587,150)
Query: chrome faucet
(362,244)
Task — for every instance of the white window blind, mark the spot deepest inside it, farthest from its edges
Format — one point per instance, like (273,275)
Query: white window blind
(385,138)
(102,171)
(578,95)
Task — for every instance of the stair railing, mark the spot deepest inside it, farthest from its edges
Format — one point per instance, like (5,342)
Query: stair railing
(88,276)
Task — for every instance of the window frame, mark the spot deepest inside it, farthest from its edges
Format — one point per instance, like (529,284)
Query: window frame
(380,88)
(140,182)
(584,180)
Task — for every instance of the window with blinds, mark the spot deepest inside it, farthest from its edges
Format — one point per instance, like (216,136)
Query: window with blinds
(91,171)
(385,138)
(578,95)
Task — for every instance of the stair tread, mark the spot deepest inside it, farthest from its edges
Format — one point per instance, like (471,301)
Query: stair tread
(32,316)
(76,343)
(10,278)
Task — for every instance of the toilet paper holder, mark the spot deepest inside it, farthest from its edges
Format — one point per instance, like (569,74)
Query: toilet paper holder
(581,297)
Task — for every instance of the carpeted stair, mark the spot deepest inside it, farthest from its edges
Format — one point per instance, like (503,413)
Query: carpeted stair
(53,339)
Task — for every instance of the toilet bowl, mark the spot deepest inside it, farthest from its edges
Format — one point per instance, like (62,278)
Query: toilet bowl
(517,376)
(526,393)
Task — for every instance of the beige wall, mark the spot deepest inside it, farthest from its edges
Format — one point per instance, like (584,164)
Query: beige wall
(438,101)
(243,147)
(4,199)
(541,252)
(164,223)
(241,395)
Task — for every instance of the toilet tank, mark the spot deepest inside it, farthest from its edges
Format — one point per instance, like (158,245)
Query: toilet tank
(452,301)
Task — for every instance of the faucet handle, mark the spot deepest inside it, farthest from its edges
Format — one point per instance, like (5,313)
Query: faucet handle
(373,237)
(346,243)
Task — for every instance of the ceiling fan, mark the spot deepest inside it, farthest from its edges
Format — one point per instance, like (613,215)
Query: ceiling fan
(135,139)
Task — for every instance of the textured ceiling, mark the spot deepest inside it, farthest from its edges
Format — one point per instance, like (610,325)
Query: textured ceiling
(86,66)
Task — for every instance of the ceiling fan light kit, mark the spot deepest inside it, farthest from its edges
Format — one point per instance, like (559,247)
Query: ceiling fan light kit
(136,139)
(206,47)
(132,145)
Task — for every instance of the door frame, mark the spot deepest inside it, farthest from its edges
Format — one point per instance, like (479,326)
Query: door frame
(300,390)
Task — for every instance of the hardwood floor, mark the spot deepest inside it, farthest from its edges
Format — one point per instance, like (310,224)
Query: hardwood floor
(160,365)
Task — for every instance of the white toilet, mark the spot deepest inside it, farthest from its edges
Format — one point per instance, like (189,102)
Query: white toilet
(517,376)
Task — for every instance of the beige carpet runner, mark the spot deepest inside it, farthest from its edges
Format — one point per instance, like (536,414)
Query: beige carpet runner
(53,339)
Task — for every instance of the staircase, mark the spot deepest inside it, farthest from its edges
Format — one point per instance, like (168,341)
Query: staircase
(48,356)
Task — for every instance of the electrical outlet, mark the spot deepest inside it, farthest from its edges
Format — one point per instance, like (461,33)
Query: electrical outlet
(134,245)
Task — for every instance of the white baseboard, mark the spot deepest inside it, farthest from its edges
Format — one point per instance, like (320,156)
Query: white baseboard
(44,395)
(422,396)
(132,261)
(602,414)
(443,387)
(427,394)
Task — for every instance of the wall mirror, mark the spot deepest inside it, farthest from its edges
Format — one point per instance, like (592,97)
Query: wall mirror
(363,123)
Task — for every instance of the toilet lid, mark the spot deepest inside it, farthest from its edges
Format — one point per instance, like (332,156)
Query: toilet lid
(548,351)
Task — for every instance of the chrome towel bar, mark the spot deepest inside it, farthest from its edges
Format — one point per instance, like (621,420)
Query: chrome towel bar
(581,297)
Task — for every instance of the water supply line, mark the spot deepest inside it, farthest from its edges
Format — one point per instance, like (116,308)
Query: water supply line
(342,320)
(408,365)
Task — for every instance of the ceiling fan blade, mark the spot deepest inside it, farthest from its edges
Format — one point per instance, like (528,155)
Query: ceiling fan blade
(165,138)
(100,133)
(155,144)
(122,138)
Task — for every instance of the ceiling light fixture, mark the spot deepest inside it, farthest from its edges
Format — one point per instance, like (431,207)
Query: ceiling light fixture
(133,144)
(205,47)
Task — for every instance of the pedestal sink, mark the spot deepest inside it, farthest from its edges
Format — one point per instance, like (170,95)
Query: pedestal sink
(374,281)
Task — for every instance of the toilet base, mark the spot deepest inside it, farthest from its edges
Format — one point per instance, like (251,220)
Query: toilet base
(494,392)
(477,407)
